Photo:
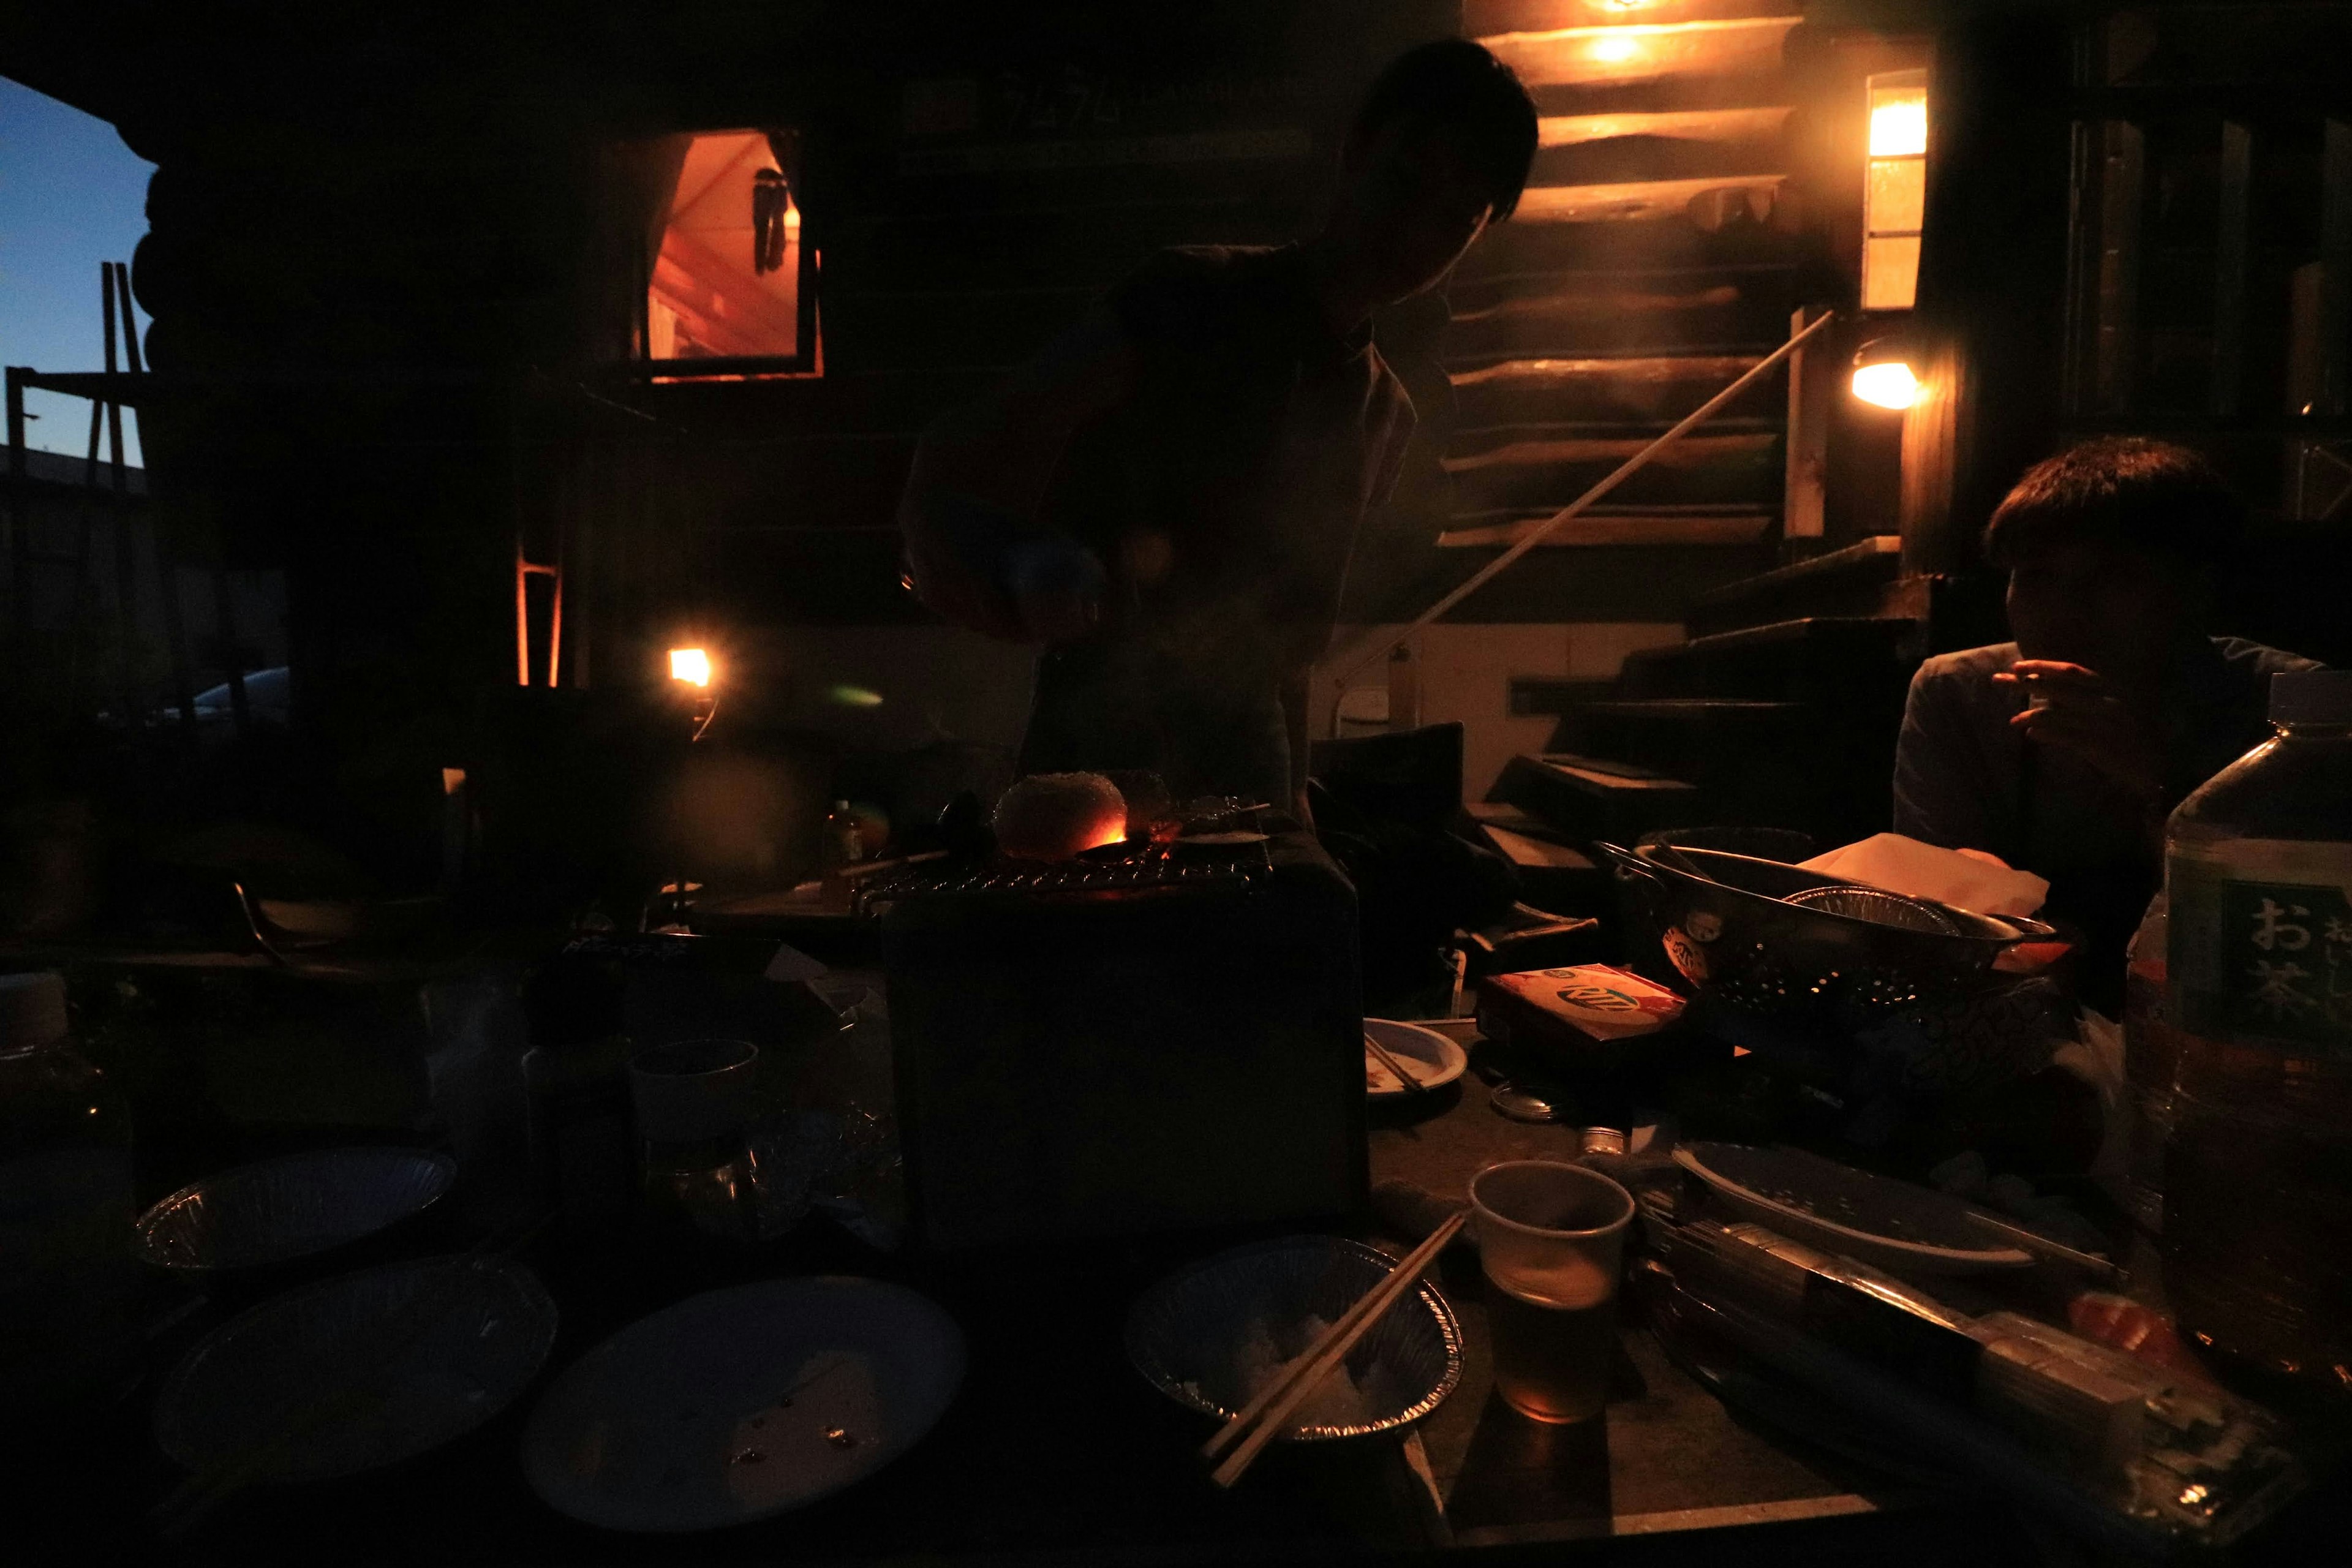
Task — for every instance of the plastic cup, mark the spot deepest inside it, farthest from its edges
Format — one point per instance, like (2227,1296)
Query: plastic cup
(691,1091)
(1551,1240)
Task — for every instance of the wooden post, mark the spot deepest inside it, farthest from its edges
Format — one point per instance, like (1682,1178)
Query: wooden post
(2335,264)
(1811,379)
(1932,541)
(20,548)
(2232,244)
(2122,182)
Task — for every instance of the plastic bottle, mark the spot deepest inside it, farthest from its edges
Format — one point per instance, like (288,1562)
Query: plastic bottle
(2151,1058)
(2258,1169)
(67,1279)
(845,837)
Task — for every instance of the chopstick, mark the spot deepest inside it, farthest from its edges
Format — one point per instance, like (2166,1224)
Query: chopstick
(1412,1084)
(1268,1415)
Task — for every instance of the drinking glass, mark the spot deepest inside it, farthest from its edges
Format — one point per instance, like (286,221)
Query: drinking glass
(1551,1240)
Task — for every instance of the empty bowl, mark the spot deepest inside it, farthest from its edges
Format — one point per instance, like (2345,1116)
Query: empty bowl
(279,1210)
(1210,1337)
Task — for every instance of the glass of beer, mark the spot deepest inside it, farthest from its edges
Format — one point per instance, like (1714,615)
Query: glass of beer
(1551,1239)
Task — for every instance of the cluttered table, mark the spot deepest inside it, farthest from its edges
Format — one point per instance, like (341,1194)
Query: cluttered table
(1052,1446)
(730,1374)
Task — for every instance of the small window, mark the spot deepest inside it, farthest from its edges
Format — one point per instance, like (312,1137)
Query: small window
(733,292)
(1895,196)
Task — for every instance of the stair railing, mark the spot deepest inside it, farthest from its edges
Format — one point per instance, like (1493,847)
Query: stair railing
(1375,647)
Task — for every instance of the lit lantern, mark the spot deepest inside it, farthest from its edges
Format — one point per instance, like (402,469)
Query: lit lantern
(690,665)
(1883,376)
(1895,190)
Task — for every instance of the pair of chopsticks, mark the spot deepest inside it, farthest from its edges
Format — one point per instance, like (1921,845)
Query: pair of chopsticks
(1404,1075)
(1238,1443)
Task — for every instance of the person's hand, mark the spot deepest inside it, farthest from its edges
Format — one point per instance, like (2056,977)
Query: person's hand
(2078,710)
(1056,587)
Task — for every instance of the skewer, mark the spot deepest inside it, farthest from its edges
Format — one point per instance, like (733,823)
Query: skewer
(1267,1415)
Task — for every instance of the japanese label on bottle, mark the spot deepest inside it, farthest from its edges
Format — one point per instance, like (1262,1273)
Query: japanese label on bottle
(2261,943)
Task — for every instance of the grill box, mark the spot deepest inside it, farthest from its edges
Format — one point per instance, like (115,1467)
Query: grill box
(1123,1047)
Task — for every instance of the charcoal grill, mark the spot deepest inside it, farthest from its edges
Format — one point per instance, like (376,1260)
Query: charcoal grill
(1137,1041)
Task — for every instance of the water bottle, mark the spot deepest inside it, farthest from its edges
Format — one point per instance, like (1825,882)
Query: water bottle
(67,1279)
(2258,1169)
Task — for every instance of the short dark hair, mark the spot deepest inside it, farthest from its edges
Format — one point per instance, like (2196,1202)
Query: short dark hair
(1457,83)
(2120,490)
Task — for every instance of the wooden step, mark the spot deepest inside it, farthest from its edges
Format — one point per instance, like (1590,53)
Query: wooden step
(1574,313)
(1848,582)
(1812,659)
(1709,201)
(1674,242)
(1712,127)
(1684,737)
(1618,388)
(1610,54)
(1625,526)
(1632,158)
(1480,16)
(1648,582)
(1549,469)
(1582,802)
(1823,767)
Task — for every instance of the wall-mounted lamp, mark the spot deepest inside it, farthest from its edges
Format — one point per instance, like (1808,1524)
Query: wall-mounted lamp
(1883,374)
(690,665)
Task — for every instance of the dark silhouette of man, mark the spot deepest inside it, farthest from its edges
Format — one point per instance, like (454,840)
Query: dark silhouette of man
(1166,497)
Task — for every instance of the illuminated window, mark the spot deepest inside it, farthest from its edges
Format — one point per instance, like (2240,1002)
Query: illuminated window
(733,289)
(1895,196)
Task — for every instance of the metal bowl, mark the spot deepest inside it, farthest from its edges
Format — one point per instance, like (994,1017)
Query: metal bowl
(1730,927)
(1198,1335)
(279,1210)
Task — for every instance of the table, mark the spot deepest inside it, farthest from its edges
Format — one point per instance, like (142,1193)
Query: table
(1055,1449)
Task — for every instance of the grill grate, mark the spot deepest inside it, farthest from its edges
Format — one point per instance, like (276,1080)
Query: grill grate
(1150,871)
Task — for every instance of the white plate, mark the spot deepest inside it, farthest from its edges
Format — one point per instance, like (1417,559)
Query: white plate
(1430,1057)
(736,1404)
(1888,1224)
(372,1368)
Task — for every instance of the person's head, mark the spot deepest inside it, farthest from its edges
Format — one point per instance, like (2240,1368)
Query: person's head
(1439,149)
(2110,549)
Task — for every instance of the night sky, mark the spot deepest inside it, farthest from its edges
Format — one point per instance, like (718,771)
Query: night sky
(72,196)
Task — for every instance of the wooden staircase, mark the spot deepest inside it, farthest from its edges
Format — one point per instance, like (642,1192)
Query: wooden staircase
(1648,264)
(1784,723)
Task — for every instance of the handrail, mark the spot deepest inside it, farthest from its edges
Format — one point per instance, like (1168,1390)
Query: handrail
(1372,647)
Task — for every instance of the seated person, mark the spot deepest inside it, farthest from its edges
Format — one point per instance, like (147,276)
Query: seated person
(2063,752)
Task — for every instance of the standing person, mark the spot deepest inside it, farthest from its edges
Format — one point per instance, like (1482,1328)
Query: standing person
(2063,752)
(1167,496)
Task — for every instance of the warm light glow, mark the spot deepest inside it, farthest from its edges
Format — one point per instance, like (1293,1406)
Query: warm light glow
(1110,830)
(1889,385)
(691,665)
(1614,48)
(1898,127)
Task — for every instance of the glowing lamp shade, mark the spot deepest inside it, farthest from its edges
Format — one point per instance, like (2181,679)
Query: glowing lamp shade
(1888,383)
(690,665)
(1898,123)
